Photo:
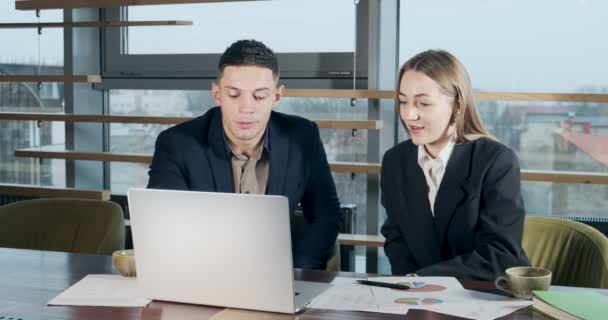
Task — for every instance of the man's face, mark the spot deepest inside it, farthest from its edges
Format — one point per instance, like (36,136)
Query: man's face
(246,95)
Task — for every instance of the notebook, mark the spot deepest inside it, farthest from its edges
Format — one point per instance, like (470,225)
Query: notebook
(571,305)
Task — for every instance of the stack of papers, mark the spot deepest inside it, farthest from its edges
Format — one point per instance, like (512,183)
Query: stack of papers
(438,294)
(104,290)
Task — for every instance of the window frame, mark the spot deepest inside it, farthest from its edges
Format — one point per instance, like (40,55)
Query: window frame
(118,63)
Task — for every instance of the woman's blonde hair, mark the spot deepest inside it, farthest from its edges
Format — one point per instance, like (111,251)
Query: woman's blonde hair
(452,77)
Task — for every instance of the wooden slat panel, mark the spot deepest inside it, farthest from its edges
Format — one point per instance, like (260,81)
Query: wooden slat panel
(499,96)
(351,124)
(94,24)
(539,96)
(526,175)
(360,240)
(339,93)
(52,192)
(336,124)
(356,167)
(91,118)
(50,78)
(564,176)
(53,153)
(67,4)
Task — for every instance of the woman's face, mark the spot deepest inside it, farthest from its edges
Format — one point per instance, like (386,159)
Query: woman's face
(426,111)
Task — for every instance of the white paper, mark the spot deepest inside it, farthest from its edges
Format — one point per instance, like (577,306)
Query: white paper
(438,294)
(479,305)
(344,294)
(102,290)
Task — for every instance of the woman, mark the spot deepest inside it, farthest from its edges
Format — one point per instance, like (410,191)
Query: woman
(451,193)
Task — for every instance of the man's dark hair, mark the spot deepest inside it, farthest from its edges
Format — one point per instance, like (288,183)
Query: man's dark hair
(248,53)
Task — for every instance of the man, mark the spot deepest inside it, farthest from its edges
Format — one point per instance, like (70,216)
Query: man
(243,146)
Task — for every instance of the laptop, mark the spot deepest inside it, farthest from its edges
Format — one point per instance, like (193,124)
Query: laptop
(217,249)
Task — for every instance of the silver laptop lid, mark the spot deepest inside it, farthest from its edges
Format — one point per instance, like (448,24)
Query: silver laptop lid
(221,249)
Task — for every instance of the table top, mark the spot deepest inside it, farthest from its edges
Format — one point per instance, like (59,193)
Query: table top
(30,278)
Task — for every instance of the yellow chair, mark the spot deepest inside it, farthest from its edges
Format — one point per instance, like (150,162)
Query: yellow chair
(70,225)
(333,264)
(298,225)
(576,253)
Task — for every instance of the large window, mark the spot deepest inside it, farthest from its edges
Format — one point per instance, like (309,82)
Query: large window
(311,42)
(340,144)
(506,46)
(272,22)
(140,138)
(517,45)
(25,52)
(523,46)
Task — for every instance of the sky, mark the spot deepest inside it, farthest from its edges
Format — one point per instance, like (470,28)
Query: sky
(514,45)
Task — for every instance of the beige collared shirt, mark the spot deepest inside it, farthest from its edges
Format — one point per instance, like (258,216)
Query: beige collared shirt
(434,169)
(250,174)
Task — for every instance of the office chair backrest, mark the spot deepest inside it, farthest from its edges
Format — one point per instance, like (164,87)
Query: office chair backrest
(298,228)
(576,253)
(70,225)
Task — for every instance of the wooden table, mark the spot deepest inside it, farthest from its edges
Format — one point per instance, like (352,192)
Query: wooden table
(29,279)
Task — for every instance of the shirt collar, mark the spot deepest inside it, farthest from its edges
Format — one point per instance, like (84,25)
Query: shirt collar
(443,156)
(228,147)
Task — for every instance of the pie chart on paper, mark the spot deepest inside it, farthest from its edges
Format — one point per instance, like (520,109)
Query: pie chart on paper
(418,286)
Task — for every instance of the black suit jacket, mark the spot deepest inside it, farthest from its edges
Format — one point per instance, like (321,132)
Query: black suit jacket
(477,229)
(194,156)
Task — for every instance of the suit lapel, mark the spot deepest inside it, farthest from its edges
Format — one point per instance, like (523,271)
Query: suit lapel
(454,188)
(219,160)
(278,155)
(418,222)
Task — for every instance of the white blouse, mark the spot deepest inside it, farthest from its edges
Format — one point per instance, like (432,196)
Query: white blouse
(434,169)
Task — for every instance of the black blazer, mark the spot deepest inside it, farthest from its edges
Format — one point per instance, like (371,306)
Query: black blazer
(479,213)
(194,156)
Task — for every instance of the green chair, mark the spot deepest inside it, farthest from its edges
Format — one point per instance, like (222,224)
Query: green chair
(576,253)
(298,226)
(70,225)
(333,264)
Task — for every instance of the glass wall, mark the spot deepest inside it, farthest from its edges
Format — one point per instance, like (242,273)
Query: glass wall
(340,144)
(286,26)
(514,46)
(25,52)
(140,138)
(522,46)
(528,46)
(511,46)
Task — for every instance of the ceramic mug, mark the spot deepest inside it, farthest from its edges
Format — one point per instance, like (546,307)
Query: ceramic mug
(521,281)
(124,262)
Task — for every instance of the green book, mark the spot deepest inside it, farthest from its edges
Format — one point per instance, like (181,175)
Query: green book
(571,305)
